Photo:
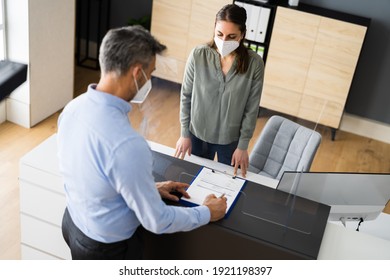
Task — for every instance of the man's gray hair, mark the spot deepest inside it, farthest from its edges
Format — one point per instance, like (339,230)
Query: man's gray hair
(124,47)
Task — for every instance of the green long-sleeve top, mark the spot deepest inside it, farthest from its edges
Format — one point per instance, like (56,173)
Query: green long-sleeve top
(220,109)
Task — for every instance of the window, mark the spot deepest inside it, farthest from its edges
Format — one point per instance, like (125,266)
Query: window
(2,31)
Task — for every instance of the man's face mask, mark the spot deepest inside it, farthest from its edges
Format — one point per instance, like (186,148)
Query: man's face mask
(142,92)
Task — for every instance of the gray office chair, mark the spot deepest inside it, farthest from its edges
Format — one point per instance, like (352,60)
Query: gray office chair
(283,145)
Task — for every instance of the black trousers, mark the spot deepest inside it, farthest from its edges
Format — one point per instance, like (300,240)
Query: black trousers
(84,248)
(208,150)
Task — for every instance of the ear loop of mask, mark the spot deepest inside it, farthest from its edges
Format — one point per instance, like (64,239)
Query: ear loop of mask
(145,129)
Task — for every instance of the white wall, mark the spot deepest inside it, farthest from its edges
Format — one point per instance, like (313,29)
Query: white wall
(3,116)
(18,104)
(40,33)
(52,24)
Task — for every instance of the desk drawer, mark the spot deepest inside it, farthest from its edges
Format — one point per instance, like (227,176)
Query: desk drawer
(43,236)
(39,177)
(41,203)
(29,253)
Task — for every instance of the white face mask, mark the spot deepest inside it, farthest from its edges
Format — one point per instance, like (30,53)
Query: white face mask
(225,47)
(142,92)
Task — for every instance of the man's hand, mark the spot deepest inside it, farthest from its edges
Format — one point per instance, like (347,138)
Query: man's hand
(166,188)
(217,206)
(183,146)
(240,158)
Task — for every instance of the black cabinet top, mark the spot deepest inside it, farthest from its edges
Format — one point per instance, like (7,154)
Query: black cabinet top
(325,12)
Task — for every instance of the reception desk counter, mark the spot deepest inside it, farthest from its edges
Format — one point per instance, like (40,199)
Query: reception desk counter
(245,234)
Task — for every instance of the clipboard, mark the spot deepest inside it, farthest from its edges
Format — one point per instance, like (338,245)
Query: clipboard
(210,181)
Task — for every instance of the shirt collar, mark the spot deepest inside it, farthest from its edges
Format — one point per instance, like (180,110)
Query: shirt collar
(108,99)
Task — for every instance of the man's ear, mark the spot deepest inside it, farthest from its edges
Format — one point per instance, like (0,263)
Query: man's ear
(136,70)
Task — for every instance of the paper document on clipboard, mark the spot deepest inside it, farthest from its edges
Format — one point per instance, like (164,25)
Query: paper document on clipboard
(209,181)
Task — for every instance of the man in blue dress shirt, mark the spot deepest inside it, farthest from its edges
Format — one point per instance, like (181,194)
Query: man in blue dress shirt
(107,165)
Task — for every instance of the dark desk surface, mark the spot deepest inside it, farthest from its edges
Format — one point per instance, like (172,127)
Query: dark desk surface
(264,224)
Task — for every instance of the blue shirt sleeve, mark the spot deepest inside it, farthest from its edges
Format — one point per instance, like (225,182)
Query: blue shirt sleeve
(130,173)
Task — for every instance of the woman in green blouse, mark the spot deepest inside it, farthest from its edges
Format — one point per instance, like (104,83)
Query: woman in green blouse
(220,94)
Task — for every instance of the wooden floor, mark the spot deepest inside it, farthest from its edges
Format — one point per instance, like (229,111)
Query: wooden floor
(158,120)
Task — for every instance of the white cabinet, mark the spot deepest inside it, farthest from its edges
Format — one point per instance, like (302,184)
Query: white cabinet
(42,204)
(41,35)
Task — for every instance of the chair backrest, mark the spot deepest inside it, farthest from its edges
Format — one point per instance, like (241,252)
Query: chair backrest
(283,145)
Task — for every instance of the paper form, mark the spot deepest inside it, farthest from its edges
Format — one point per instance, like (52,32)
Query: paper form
(209,181)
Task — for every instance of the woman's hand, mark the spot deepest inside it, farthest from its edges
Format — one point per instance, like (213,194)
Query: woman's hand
(240,159)
(166,188)
(183,146)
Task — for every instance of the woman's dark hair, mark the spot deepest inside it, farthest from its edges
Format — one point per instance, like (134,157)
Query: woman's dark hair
(237,15)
